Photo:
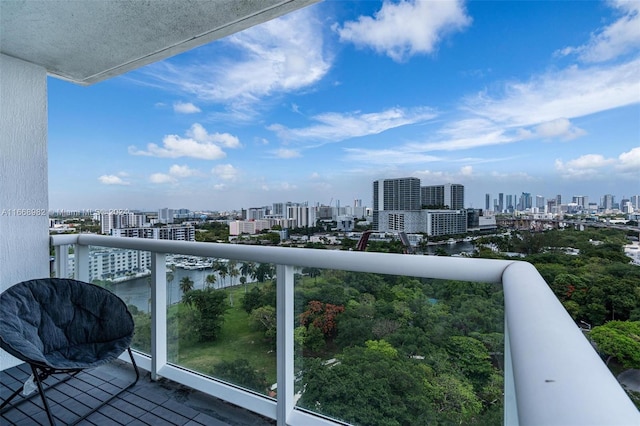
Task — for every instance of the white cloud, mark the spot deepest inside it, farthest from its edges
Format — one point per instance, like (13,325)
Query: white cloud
(387,156)
(112,180)
(466,171)
(225,172)
(400,30)
(559,128)
(162,178)
(566,94)
(198,144)
(176,172)
(279,56)
(199,133)
(614,40)
(589,161)
(182,171)
(287,153)
(336,127)
(630,161)
(585,166)
(185,108)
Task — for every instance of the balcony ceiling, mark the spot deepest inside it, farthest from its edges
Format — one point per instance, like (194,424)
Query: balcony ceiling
(89,41)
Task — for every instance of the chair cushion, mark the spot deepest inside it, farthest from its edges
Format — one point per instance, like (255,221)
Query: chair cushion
(63,323)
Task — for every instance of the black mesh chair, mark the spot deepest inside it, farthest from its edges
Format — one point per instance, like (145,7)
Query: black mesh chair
(63,326)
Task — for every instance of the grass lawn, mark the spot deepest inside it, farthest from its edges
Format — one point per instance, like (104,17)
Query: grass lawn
(237,340)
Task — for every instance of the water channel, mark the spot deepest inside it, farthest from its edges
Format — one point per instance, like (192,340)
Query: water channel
(137,291)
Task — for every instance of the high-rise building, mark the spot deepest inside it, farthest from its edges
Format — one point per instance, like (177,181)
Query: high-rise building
(540,202)
(432,196)
(278,210)
(450,196)
(110,221)
(395,194)
(581,200)
(625,206)
(257,213)
(487,199)
(165,215)
(500,202)
(607,202)
(303,215)
(454,196)
(526,201)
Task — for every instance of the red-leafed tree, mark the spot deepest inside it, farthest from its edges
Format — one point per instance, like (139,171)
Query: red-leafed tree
(322,316)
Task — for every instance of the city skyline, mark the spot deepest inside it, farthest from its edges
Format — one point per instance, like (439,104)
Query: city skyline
(501,97)
(360,203)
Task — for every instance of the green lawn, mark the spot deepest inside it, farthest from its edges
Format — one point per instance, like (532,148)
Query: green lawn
(237,340)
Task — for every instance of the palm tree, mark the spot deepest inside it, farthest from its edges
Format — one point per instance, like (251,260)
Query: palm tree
(222,271)
(233,270)
(186,285)
(170,278)
(246,269)
(211,279)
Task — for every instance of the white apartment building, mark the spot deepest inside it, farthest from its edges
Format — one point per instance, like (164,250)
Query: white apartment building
(303,215)
(239,227)
(114,263)
(177,233)
(431,222)
(111,220)
(166,215)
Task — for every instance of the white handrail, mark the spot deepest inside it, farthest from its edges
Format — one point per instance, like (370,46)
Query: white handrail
(556,375)
(559,378)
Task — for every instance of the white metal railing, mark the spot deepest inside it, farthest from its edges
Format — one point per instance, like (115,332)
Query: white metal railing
(553,376)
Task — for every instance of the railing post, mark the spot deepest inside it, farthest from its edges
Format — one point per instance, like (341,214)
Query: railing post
(61,265)
(284,348)
(158,313)
(82,262)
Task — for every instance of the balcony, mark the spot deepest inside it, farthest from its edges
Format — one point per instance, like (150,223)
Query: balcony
(552,375)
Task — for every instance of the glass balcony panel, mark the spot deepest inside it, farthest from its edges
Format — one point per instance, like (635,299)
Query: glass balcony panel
(376,349)
(221,320)
(130,279)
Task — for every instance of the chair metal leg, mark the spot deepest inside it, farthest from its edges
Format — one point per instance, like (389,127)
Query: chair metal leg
(105,402)
(42,395)
(41,374)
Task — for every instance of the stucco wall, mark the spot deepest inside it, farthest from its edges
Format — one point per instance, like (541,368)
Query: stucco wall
(24,247)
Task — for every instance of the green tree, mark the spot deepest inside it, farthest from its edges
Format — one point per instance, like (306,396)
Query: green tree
(264,272)
(210,280)
(472,358)
(170,277)
(264,319)
(619,340)
(186,285)
(211,306)
(233,270)
(222,270)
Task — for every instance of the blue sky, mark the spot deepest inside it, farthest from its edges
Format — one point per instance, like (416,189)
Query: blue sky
(501,96)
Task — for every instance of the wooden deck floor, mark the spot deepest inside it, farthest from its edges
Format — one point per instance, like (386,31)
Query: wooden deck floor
(147,403)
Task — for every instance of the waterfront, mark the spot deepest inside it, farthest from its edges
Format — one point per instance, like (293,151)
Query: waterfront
(137,291)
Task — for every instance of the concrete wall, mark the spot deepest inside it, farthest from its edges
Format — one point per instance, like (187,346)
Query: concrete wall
(24,236)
